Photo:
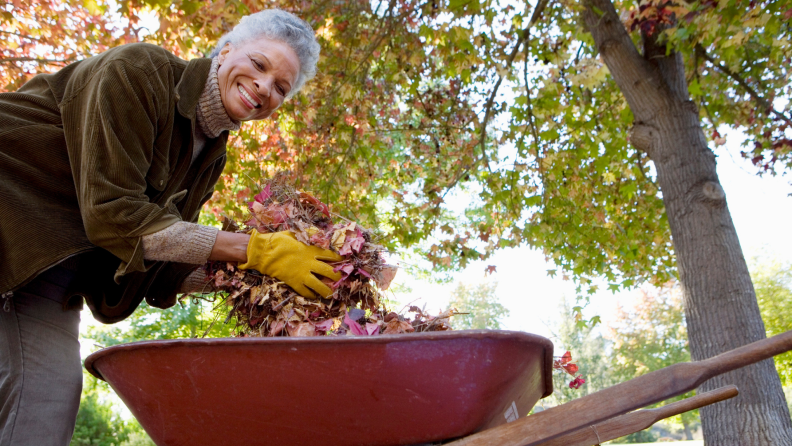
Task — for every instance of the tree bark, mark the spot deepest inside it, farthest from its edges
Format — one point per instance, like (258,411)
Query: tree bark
(720,303)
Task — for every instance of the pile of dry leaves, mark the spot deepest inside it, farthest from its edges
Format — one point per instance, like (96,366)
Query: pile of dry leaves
(265,306)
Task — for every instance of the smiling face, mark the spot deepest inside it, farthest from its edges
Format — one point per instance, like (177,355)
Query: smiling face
(255,77)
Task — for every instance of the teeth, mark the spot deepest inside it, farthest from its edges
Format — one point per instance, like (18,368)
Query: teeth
(247,96)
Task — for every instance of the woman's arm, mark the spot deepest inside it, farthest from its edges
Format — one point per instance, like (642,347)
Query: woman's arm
(193,243)
(185,242)
(230,247)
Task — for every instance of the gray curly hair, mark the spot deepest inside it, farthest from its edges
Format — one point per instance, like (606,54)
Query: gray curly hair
(284,27)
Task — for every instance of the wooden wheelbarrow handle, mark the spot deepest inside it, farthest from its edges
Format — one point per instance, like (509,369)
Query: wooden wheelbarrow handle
(638,420)
(625,397)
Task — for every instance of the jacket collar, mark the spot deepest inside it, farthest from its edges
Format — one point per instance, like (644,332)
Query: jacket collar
(191,85)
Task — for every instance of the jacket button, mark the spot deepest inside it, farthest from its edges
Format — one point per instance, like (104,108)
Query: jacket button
(162,182)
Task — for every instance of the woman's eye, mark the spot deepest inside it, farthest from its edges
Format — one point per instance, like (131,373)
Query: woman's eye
(281,90)
(257,64)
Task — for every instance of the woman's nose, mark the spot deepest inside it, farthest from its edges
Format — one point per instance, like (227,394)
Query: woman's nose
(264,86)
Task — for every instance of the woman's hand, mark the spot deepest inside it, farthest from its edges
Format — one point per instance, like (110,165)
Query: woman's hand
(282,256)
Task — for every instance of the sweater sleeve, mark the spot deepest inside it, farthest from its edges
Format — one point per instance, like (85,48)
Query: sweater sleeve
(181,242)
(197,283)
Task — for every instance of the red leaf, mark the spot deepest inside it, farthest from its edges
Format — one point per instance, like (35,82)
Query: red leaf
(372,329)
(276,328)
(577,382)
(262,196)
(571,368)
(324,326)
(566,357)
(347,269)
(315,201)
(354,327)
(490,269)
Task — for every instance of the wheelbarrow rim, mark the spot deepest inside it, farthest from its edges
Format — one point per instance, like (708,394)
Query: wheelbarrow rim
(380,339)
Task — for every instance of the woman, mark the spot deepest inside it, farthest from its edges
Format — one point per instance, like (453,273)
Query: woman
(104,167)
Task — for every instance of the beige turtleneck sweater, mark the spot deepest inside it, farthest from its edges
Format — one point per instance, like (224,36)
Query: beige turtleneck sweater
(190,242)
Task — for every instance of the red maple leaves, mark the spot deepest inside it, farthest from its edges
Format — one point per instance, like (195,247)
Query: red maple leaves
(565,363)
(577,382)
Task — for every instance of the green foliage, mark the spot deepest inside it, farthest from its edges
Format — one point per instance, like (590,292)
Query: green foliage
(644,436)
(773,284)
(138,438)
(590,351)
(650,336)
(97,423)
(479,305)
(189,319)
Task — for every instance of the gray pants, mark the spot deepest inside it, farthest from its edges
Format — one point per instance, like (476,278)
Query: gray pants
(40,370)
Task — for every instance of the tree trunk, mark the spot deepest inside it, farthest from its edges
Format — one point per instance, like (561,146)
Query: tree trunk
(688,434)
(720,303)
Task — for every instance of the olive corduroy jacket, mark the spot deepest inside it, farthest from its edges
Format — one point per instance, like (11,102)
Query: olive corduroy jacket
(95,156)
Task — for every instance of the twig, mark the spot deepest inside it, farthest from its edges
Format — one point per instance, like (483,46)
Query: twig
(740,81)
(524,35)
(23,36)
(32,59)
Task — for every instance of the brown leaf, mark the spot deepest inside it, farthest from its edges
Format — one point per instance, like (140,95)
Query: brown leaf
(276,328)
(301,329)
(395,326)
(385,276)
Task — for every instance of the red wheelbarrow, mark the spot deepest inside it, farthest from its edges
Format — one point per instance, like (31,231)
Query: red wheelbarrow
(475,386)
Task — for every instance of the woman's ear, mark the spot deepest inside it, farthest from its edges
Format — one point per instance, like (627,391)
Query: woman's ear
(224,52)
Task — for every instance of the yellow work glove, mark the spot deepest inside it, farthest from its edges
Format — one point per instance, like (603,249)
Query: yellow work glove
(282,256)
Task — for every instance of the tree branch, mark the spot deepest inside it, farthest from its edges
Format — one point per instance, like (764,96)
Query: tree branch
(642,86)
(23,36)
(388,28)
(531,117)
(524,35)
(341,164)
(32,59)
(761,101)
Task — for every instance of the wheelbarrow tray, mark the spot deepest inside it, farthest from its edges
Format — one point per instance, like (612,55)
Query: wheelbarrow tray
(341,391)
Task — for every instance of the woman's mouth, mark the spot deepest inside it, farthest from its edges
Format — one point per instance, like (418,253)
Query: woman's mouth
(247,98)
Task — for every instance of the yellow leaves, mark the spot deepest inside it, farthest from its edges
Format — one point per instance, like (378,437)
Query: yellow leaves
(347,93)
(591,72)
(502,70)
(779,43)
(627,172)
(609,177)
(757,21)
(327,31)
(92,7)
(547,161)
(735,40)
(339,236)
